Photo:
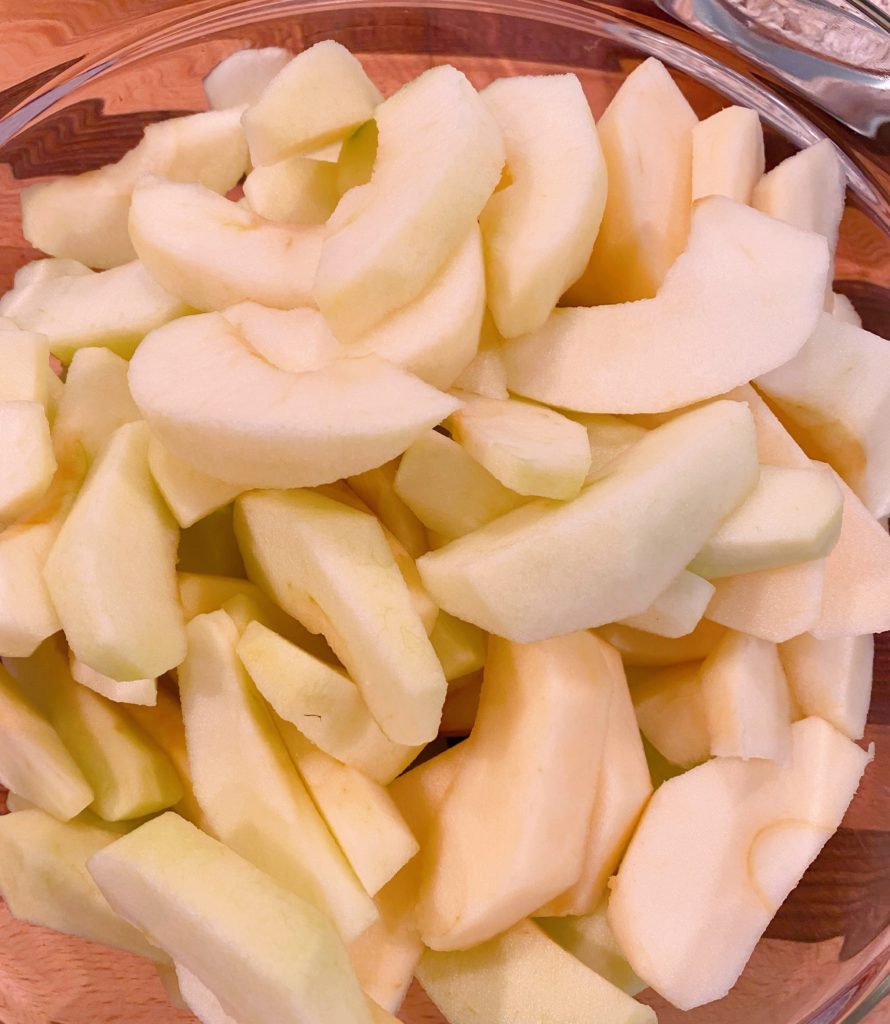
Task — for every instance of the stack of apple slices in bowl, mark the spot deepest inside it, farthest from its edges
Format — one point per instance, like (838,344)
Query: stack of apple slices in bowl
(334,425)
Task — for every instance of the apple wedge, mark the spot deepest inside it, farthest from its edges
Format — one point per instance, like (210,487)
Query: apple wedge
(241,77)
(198,998)
(199,901)
(439,158)
(133,691)
(28,462)
(112,569)
(740,836)
(486,374)
(85,216)
(670,708)
(190,494)
(608,436)
(256,803)
(741,300)
(831,678)
(459,646)
(529,773)
(520,976)
(212,253)
(727,155)
(447,489)
(331,568)
(296,190)
(623,788)
(677,610)
(835,397)
(842,309)
(318,97)
(540,228)
(376,488)
(646,137)
(646,650)
(530,449)
(286,429)
(24,366)
(46,269)
(609,553)
(114,309)
(355,161)
(44,880)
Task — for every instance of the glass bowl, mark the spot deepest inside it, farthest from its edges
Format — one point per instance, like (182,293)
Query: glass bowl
(80,80)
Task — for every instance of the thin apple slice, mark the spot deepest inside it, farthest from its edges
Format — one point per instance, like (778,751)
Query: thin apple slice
(112,569)
(44,880)
(670,707)
(727,154)
(198,900)
(609,553)
(213,253)
(28,462)
(241,77)
(330,567)
(24,361)
(523,975)
(85,216)
(376,488)
(835,397)
(746,699)
(294,340)
(792,516)
(448,490)
(677,610)
(133,691)
(831,678)
(740,836)
(741,300)
(439,158)
(646,135)
(190,494)
(114,309)
(359,812)
(623,788)
(529,772)
(530,449)
(256,803)
(486,374)
(459,646)
(286,429)
(296,190)
(608,437)
(639,649)
(540,228)
(318,97)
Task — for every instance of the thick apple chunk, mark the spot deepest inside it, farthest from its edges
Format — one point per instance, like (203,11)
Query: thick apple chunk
(741,300)
(284,429)
(548,568)
(670,708)
(727,154)
(112,569)
(318,97)
(241,77)
(439,158)
(646,135)
(529,773)
(294,340)
(190,494)
(740,835)
(28,463)
(24,362)
(297,190)
(540,228)
(330,567)
(265,952)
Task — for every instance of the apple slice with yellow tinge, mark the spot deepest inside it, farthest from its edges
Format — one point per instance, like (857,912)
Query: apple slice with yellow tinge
(677,610)
(241,77)
(28,464)
(727,154)
(741,300)
(24,363)
(740,835)
(670,708)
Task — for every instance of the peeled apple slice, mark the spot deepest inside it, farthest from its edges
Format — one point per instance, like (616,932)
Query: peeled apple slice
(318,97)
(330,567)
(296,190)
(133,691)
(241,77)
(842,309)
(520,976)
(727,154)
(831,678)
(486,374)
(112,569)
(459,646)
(44,880)
(28,463)
(198,998)
(355,161)
(24,361)
(85,216)
(677,610)
(670,708)
(539,229)
(266,953)
(646,136)
(530,449)
(529,773)
(793,515)
(439,158)
(646,650)
(294,340)
(742,299)
(608,436)
(609,553)
(835,397)
(212,253)
(376,488)
(228,412)
(740,836)
(190,494)
(115,309)
(45,269)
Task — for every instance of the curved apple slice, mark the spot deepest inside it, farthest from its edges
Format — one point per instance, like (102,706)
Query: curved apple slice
(224,409)
(740,301)
(242,76)
(213,253)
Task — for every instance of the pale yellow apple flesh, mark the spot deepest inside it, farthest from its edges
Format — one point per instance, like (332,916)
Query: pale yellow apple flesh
(355,161)
(133,691)
(190,494)
(486,374)
(296,190)
(639,649)
(670,708)
(376,488)
(241,77)
(28,463)
(293,340)
(459,646)
(842,309)
(608,436)
(677,610)
(727,155)
(24,362)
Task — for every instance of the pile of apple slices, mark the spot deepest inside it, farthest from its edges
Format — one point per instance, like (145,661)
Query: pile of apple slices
(336,425)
